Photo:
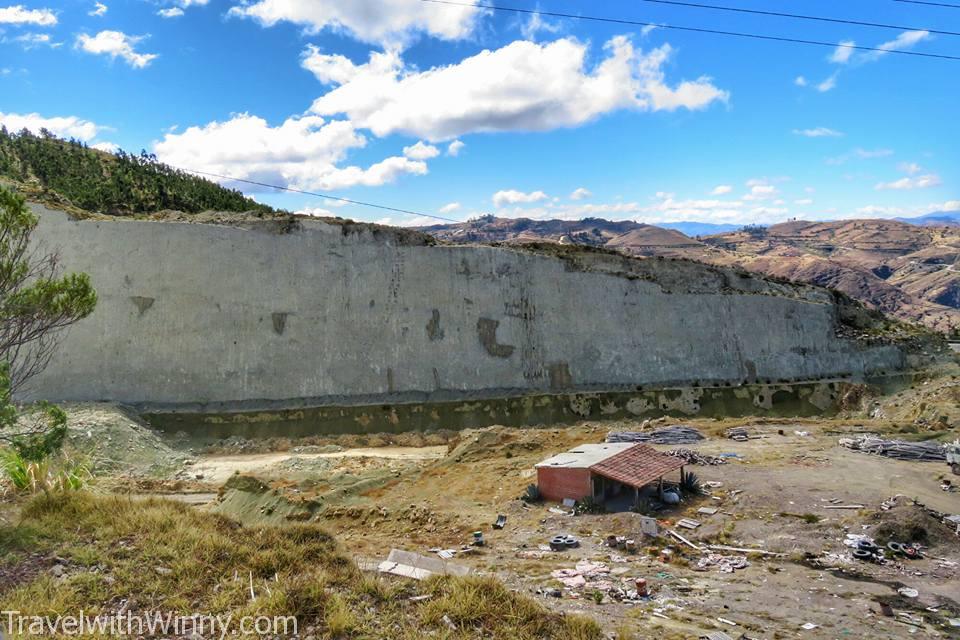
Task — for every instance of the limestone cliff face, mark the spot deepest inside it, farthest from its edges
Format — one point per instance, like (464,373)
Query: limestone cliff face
(220,316)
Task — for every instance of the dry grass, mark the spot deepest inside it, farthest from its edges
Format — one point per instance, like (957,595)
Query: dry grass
(164,556)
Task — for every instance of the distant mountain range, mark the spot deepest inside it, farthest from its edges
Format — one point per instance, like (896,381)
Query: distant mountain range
(908,269)
(938,219)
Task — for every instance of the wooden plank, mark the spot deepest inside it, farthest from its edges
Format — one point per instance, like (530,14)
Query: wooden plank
(683,540)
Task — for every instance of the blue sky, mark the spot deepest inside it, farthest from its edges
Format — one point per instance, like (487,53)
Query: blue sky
(456,111)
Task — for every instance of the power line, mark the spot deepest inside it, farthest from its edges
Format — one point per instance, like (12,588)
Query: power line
(798,16)
(932,4)
(738,34)
(320,195)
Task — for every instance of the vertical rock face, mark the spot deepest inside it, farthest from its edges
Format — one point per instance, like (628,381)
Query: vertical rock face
(215,315)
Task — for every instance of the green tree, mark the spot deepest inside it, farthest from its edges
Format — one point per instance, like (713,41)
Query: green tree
(36,303)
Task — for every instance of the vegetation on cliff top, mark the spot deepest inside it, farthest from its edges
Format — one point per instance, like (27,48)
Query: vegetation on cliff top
(116,184)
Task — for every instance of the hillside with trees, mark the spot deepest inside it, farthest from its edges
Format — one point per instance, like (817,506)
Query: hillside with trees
(118,183)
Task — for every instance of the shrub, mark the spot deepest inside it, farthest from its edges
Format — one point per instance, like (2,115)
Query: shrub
(46,475)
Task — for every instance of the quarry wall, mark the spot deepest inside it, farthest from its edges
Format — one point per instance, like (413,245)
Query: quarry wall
(214,317)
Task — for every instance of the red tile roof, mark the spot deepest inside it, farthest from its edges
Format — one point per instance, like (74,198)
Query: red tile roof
(637,466)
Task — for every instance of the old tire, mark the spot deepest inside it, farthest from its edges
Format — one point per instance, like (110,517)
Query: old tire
(863,554)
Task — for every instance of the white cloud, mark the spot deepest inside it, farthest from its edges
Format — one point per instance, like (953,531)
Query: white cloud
(523,86)
(64,126)
(33,40)
(175,12)
(317,212)
(911,182)
(860,154)
(99,9)
(847,57)
(580,194)
(109,147)
(303,152)
(450,208)
(421,151)
(455,148)
(841,55)
(818,132)
(803,202)
(390,22)
(762,189)
(536,24)
(882,211)
(905,40)
(512,196)
(910,168)
(766,212)
(721,190)
(18,14)
(866,154)
(116,44)
(827,84)
(800,81)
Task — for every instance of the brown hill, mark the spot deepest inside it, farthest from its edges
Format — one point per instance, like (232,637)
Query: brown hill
(909,271)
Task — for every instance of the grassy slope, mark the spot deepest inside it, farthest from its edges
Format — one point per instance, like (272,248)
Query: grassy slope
(113,546)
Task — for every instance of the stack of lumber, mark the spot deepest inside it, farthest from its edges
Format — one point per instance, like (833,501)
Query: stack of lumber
(677,434)
(898,449)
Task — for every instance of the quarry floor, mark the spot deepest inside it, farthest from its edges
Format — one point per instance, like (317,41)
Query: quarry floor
(422,492)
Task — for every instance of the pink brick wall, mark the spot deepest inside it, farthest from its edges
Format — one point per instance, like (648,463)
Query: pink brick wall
(558,483)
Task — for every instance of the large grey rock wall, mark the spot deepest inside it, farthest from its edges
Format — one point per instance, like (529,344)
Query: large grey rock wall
(217,316)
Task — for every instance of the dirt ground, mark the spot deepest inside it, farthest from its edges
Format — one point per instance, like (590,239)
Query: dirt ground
(778,493)
(775,494)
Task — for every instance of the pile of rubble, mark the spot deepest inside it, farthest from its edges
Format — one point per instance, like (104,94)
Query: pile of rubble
(595,578)
(695,457)
(726,564)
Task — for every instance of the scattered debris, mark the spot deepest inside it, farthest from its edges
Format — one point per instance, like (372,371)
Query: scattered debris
(577,578)
(738,433)
(764,552)
(501,522)
(845,506)
(897,449)
(907,592)
(695,457)
(726,564)
(707,511)
(716,635)
(677,434)
(687,523)
(418,567)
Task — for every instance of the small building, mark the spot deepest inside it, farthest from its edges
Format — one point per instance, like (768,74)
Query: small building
(602,471)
